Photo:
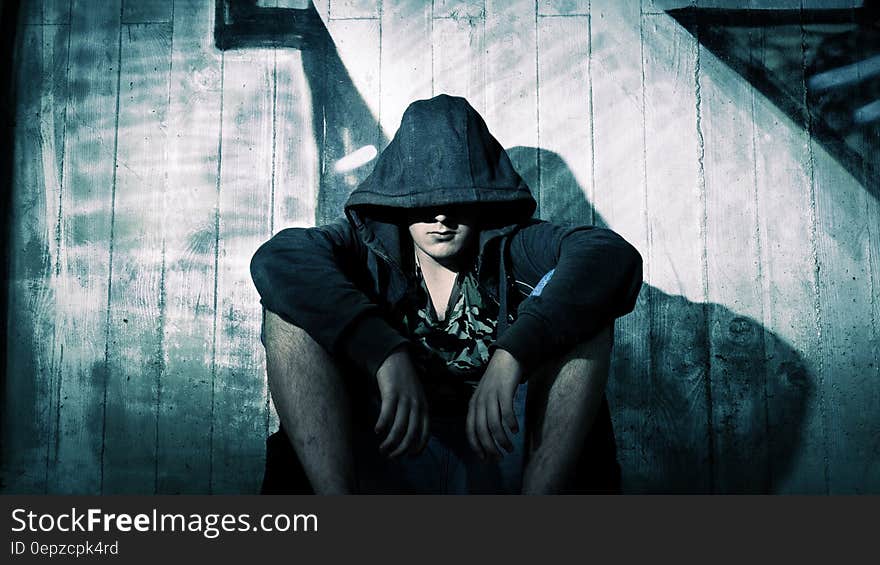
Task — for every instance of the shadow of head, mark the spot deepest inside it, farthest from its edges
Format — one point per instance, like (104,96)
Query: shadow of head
(703,398)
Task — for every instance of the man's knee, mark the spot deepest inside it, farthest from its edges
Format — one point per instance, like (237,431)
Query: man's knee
(294,357)
(288,344)
(277,332)
(588,358)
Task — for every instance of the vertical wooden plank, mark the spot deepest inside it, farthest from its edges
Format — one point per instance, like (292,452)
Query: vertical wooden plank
(676,252)
(618,131)
(848,366)
(31,13)
(147,11)
(459,45)
(295,186)
(296,160)
(795,426)
(56,11)
(563,7)
(872,468)
(511,86)
(240,394)
(405,59)
(24,400)
(185,393)
(353,9)
(866,427)
(137,310)
(322,7)
(459,9)
(660,6)
(350,98)
(564,121)
(53,128)
(85,253)
(358,46)
(736,336)
(31,399)
(45,12)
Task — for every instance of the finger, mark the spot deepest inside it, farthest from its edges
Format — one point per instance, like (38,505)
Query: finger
(425,433)
(386,415)
(493,416)
(401,418)
(471,428)
(508,414)
(411,433)
(483,434)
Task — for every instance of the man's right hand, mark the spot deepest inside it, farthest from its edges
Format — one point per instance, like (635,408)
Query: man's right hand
(403,419)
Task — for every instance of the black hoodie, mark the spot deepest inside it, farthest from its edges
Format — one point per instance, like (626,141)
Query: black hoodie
(344,282)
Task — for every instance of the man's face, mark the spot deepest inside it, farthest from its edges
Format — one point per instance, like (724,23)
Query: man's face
(444,233)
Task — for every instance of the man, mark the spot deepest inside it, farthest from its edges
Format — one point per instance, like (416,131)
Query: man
(398,340)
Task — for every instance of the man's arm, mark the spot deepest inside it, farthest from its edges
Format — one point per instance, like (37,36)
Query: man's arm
(313,278)
(308,280)
(596,278)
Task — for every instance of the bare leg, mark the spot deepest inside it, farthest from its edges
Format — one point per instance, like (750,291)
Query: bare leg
(310,396)
(564,398)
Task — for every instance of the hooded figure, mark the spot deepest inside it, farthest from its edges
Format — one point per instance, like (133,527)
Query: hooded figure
(443,203)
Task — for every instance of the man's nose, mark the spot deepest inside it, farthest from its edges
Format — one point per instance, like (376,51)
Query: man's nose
(440,218)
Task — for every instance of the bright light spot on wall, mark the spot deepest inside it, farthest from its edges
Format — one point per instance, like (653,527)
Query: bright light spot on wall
(356,159)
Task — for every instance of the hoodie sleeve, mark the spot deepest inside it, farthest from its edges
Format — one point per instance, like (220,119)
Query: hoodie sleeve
(309,277)
(596,278)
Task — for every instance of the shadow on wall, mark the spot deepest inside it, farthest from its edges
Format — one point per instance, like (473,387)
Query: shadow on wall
(821,66)
(671,437)
(343,123)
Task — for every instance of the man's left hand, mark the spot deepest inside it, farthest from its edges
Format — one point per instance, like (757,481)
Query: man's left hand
(491,406)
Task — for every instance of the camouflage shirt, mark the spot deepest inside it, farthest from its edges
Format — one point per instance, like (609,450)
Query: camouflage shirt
(455,350)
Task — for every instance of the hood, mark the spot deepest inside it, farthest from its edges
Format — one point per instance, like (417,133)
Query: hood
(442,154)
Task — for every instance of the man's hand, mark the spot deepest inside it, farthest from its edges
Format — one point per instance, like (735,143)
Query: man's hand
(491,405)
(403,419)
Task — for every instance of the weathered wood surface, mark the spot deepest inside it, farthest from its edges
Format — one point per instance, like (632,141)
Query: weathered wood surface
(564,112)
(406,58)
(31,421)
(238,419)
(736,343)
(674,158)
(789,285)
(136,311)
(147,11)
(511,81)
(187,384)
(847,348)
(458,50)
(150,165)
(618,137)
(82,281)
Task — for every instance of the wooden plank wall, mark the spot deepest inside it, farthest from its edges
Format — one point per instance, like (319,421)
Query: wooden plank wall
(149,166)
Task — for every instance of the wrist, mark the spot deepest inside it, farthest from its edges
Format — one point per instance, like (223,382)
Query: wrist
(398,356)
(507,363)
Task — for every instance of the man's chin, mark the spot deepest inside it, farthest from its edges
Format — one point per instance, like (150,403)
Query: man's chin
(443,252)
